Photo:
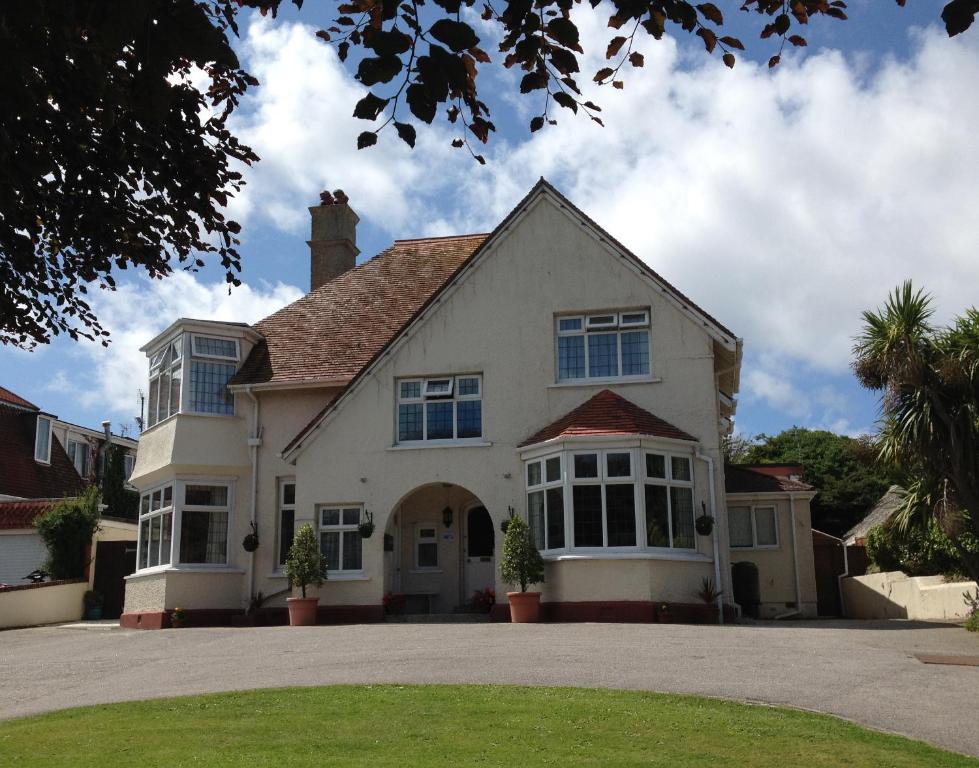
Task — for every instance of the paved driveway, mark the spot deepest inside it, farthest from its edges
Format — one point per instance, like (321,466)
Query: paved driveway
(862,671)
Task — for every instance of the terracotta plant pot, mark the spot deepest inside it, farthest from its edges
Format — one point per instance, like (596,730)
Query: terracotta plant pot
(302,611)
(177,623)
(524,607)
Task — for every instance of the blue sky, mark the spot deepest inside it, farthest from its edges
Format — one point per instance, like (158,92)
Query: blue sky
(784,202)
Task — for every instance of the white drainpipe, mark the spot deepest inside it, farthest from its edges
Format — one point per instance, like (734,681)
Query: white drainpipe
(839,579)
(254,441)
(717,548)
(795,564)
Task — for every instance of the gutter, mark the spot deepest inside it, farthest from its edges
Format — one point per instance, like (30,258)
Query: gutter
(795,564)
(715,541)
(254,441)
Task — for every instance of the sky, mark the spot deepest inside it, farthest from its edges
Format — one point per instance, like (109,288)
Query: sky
(784,202)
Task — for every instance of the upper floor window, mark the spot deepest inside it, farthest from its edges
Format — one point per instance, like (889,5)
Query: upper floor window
(753,527)
(79,452)
(42,440)
(440,408)
(213,361)
(128,465)
(603,346)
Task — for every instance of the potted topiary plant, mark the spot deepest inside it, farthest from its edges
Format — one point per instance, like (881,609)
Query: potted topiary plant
(305,565)
(523,565)
(177,618)
(93,605)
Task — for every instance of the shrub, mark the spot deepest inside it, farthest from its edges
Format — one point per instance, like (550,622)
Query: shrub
(305,564)
(918,551)
(522,563)
(66,529)
(119,500)
(972,623)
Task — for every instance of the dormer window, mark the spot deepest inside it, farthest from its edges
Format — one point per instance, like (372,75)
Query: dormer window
(605,345)
(42,440)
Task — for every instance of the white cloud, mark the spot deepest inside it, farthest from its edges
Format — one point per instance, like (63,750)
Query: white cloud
(137,311)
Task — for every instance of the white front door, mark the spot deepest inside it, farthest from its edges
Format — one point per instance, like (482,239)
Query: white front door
(478,551)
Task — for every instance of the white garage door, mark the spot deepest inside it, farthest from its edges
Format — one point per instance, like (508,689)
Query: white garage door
(20,553)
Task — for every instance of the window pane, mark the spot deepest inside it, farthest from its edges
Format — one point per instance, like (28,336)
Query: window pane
(438,387)
(289,494)
(570,357)
(144,542)
(439,421)
(533,473)
(287,529)
(635,353)
(655,465)
(468,386)
(620,512)
(209,387)
(587,500)
(164,407)
(586,465)
(555,518)
(765,526)
(535,517)
(470,415)
(144,504)
(203,537)
(175,391)
(351,516)
(657,525)
(681,502)
(166,538)
(603,354)
(428,555)
(352,560)
(602,320)
(569,324)
(330,548)
(680,467)
(410,422)
(156,500)
(330,517)
(152,401)
(168,496)
(739,526)
(411,389)
(206,495)
(553,469)
(618,464)
(154,558)
(633,318)
(208,345)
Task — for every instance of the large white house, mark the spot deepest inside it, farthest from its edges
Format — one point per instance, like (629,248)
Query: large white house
(438,388)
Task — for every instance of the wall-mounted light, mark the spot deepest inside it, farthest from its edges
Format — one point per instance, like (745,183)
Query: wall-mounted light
(447,517)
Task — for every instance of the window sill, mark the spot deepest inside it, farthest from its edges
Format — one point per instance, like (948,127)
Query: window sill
(606,382)
(440,444)
(425,570)
(690,557)
(158,569)
(332,576)
(760,548)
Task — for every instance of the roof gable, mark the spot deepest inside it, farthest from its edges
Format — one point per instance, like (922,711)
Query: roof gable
(745,478)
(12,398)
(607,413)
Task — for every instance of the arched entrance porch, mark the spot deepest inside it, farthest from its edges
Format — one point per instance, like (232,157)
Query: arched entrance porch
(439,548)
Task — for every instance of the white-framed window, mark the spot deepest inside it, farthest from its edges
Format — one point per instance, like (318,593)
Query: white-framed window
(340,540)
(440,408)
(606,345)
(753,527)
(79,452)
(214,347)
(166,375)
(204,523)
(286,526)
(426,547)
(42,440)
(545,502)
(128,465)
(615,499)
(154,543)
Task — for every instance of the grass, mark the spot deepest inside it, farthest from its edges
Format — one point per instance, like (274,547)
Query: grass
(390,725)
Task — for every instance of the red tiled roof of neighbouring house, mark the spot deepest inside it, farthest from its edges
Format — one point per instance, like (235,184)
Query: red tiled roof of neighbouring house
(20,475)
(744,478)
(6,396)
(21,514)
(335,330)
(607,414)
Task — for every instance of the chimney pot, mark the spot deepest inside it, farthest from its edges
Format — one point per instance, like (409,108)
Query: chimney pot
(333,239)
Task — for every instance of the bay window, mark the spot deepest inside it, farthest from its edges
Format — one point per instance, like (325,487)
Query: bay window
(603,346)
(155,527)
(184,522)
(627,499)
(753,527)
(441,408)
(340,540)
(204,525)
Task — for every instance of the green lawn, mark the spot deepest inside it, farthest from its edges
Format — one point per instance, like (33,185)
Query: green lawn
(392,725)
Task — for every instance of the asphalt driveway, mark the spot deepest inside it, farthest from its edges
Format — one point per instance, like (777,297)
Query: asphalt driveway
(863,671)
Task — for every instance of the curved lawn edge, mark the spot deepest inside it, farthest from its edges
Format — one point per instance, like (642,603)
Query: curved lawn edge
(393,724)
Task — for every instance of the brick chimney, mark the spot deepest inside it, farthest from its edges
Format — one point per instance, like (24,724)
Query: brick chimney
(333,242)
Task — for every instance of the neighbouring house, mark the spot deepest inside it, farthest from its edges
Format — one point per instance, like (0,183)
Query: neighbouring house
(435,390)
(43,461)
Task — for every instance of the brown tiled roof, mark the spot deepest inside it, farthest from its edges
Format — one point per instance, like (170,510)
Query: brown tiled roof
(6,396)
(21,514)
(744,478)
(883,511)
(20,475)
(607,414)
(334,331)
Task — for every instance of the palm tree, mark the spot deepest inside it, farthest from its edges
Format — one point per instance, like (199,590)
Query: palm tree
(928,377)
